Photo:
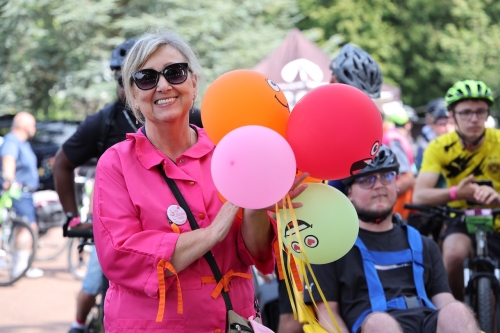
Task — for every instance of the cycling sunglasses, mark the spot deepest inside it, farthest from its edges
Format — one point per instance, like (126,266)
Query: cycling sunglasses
(146,79)
(386,178)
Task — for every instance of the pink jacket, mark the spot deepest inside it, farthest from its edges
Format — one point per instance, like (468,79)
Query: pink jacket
(133,238)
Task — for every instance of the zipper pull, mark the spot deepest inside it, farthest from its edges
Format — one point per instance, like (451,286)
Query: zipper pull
(238,328)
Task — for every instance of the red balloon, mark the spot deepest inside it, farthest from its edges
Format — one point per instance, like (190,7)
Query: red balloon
(335,131)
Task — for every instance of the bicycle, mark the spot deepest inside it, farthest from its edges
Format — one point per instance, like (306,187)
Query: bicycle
(78,259)
(481,273)
(94,323)
(17,242)
(50,217)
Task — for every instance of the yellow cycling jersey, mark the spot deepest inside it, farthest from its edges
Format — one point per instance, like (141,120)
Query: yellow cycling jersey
(447,155)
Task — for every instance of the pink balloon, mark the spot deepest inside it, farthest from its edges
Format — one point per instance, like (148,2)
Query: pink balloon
(253,167)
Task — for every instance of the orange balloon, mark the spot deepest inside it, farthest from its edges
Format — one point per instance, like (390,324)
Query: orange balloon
(240,211)
(308,179)
(240,98)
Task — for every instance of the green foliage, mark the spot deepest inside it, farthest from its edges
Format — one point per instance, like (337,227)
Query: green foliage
(423,46)
(54,54)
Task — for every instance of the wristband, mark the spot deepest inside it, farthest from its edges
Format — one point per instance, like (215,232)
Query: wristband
(74,221)
(453,193)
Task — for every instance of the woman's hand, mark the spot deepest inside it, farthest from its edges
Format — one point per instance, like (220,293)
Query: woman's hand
(295,191)
(223,221)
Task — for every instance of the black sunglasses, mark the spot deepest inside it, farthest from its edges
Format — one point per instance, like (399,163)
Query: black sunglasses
(146,79)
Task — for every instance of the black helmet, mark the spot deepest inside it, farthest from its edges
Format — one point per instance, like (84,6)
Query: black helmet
(437,109)
(434,105)
(119,53)
(441,113)
(355,67)
(385,160)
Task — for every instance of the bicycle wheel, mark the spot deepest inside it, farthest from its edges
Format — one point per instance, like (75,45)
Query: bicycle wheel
(484,305)
(51,244)
(17,250)
(78,262)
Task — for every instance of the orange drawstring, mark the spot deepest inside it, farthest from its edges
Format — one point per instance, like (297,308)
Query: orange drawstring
(175,228)
(162,265)
(295,274)
(224,282)
(277,253)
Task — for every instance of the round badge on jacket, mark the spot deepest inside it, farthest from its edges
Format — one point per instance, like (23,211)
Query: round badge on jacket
(176,214)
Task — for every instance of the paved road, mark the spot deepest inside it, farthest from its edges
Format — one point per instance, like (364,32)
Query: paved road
(42,305)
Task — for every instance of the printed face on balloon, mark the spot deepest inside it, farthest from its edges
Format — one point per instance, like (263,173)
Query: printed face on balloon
(363,163)
(278,93)
(304,231)
(326,225)
(243,97)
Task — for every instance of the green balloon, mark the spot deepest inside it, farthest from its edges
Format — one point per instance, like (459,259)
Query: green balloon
(328,225)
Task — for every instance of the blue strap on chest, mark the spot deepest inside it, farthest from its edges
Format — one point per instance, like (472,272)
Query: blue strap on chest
(375,289)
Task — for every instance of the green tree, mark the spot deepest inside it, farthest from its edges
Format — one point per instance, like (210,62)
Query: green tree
(423,46)
(54,54)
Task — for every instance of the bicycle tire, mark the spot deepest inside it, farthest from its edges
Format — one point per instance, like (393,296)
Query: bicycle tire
(17,226)
(77,267)
(484,305)
(51,244)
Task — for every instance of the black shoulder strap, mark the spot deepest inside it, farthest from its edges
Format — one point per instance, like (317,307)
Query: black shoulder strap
(194,225)
(107,116)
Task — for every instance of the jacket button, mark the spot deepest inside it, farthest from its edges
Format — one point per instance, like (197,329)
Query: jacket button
(201,216)
(182,160)
(191,183)
(218,331)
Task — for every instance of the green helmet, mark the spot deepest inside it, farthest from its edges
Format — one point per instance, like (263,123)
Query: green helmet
(468,89)
(397,114)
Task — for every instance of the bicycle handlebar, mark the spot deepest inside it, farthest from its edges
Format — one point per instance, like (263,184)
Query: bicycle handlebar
(76,233)
(444,210)
(80,233)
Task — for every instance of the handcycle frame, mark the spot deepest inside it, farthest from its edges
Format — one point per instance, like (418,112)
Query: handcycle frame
(481,273)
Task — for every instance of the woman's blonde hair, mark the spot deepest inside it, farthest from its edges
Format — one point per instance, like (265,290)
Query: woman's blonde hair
(145,46)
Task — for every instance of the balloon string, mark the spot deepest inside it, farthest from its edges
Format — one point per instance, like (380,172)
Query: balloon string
(306,261)
(279,222)
(308,314)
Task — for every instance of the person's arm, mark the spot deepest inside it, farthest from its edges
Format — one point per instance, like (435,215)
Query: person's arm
(8,170)
(426,194)
(405,180)
(129,254)
(258,232)
(193,245)
(63,172)
(441,299)
(324,317)
(76,151)
(9,152)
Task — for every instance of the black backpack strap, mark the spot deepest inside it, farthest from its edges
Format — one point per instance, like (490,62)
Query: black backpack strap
(107,121)
(194,225)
